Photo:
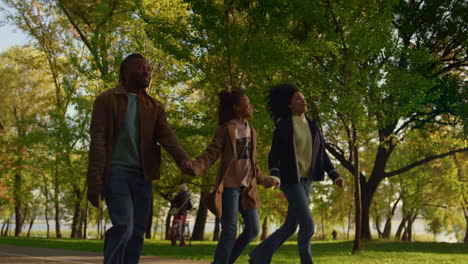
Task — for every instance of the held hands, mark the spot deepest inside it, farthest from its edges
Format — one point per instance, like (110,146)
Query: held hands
(187,167)
(339,182)
(271,182)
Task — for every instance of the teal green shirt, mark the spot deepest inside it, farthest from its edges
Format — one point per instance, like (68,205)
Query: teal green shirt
(126,152)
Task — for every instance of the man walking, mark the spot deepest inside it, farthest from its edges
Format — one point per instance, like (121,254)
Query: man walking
(127,128)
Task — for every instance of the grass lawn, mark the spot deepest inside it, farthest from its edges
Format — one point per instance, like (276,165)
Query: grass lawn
(324,252)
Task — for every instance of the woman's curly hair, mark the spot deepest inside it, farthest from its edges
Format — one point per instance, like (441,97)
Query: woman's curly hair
(279,98)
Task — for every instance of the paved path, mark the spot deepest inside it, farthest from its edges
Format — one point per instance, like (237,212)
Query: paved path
(32,255)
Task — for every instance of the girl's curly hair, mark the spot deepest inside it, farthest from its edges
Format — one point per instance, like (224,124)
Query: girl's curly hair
(227,100)
(279,98)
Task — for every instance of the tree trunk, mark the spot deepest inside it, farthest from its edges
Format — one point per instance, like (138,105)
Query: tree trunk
(344,230)
(357,193)
(388,223)
(47,224)
(410,227)
(323,224)
(82,222)
(264,228)
(377,226)
(76,220)
(370,187)
(464,202)
(7,230)
(155,228)
(58,233)
(366,204)
(400,228)
(200,220)
(7,227)
(216,229)
(3,227)
(161,234)
(465,212)
(407,234)
(168,226)
(19,216)
(156,225)
(85,221)
(466,231)
(104,228)
(404,237)
(46,210)
(98,227)
(33,217)
(149,223)
(26,213)
(350,213)
(387,228)
(76,231)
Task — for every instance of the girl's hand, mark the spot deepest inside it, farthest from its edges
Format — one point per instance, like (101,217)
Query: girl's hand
(272,182)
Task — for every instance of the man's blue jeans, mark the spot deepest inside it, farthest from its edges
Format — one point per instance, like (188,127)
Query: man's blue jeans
(298,215)
(229,248)
(128,199)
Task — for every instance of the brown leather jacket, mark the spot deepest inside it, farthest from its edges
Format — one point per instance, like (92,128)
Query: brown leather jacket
(107,118)
(224,144)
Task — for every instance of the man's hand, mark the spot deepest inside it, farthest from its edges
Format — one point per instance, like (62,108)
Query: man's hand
(339,182)
(187,167)
(94,196)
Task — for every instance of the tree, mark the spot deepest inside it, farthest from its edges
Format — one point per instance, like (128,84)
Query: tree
(50,36)
(433,189)
(22,73)
(398,72)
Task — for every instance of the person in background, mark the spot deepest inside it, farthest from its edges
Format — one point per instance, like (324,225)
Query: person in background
(181,204)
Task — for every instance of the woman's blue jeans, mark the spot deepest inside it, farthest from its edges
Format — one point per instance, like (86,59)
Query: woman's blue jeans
(229,248)
(298,215)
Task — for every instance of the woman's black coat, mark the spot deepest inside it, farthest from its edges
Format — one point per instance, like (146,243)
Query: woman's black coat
(282,158)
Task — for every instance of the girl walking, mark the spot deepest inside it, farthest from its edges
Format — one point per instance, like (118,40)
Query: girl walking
(238,177)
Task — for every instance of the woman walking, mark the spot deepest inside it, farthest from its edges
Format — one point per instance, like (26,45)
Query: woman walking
(297,157)
(238,177)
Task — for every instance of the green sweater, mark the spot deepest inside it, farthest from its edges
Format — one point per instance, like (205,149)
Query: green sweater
(303,144)
(126,152)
